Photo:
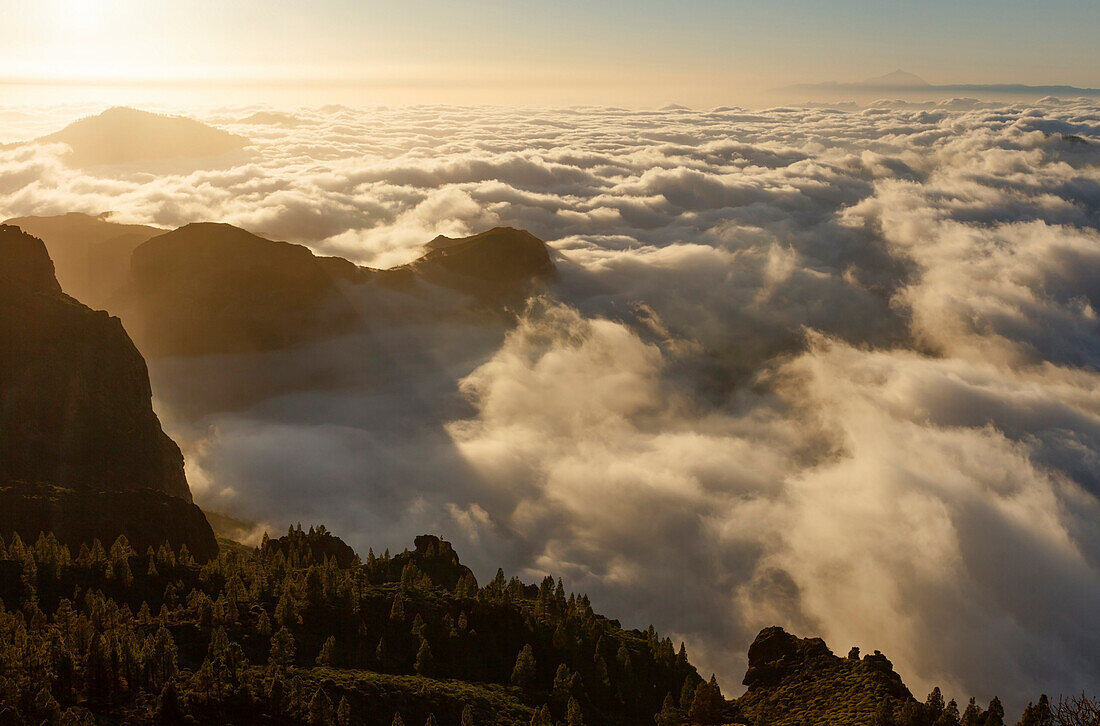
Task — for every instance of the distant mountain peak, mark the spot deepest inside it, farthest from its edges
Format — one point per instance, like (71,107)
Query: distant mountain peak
(895,79)
(122,135)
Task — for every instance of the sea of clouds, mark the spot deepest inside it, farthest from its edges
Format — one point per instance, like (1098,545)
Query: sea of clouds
(833,370)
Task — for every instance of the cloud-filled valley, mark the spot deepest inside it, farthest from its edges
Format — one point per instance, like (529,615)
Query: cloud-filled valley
(835,370)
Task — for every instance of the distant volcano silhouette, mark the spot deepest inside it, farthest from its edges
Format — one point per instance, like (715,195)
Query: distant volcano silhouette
(898,78)
(120,135)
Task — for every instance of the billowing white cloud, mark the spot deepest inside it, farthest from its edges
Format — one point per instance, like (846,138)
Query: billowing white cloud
(831,369)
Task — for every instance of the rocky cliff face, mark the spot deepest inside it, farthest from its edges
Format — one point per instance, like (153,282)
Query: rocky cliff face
(76,408)
(91,254)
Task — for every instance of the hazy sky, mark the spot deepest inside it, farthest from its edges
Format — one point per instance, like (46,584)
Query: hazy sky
(702,52)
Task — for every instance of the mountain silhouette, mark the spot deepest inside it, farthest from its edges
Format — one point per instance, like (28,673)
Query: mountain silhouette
(215,288)
(91,254)
(500,261)
(896,79)
(81,450)
(121,135)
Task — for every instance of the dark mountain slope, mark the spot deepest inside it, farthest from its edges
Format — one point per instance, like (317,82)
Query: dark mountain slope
(75,409)
(215,288)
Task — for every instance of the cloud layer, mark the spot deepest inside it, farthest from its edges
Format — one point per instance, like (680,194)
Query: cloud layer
(832,370)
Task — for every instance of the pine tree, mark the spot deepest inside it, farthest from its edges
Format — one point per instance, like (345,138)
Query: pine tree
(707,705)
(327,656)
(397,611)
(542,717)
(934,704)
(950,715)
(972,715)
(573,716)
(995,714)
(687,694)
(286,612)
(343,712)
(320,709)
(563,684)
(282,651)
(524,672)
(161,664)
(424,660)
(668,716)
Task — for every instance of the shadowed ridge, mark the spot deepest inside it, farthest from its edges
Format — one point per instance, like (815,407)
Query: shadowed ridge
(502,255)
(91,254)
(81,450)
(24,261)
(215,288)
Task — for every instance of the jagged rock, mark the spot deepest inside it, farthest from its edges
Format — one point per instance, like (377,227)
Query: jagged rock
(433,556)
(775,652)
(76,406)
(76,412)
(794,680)
(24,265)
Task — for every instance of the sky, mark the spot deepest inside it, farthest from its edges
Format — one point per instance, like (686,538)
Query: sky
(636,53)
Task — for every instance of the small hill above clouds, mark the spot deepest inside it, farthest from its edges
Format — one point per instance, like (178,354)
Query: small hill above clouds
(122,135)
(271,118)
(499,261)
(896,79)
(81,450)
(91,253)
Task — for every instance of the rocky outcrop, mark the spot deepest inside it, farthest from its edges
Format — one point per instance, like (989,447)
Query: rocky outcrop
(76,413)
(776,653)
(214,288)
(433,556)
(312,547)
(794,680)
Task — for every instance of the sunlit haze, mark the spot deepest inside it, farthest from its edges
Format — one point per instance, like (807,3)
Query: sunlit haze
(637,52)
